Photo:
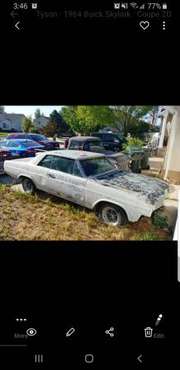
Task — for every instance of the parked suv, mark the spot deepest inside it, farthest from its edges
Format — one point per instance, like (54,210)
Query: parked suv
(94,144)
(41,139)
(110,140)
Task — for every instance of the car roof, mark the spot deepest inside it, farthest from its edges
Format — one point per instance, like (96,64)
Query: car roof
(20,140)
(75,154)
(23,133)
(84,138)
(105,133)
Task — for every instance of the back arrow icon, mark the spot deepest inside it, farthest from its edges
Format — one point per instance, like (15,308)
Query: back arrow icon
(13,14)
(140,358)
(17,25)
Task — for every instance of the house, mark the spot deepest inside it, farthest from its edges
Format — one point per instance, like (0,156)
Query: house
(169,143)
(41,122)
(11,122)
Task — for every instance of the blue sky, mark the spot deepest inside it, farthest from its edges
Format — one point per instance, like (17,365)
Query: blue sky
(29,110)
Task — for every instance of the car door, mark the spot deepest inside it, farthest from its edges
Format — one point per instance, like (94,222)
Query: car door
(65,180)
(40,174)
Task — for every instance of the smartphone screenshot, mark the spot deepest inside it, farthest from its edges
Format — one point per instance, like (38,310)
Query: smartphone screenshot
(89,185)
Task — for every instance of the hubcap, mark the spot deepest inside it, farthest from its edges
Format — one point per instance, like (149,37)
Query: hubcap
(28,186)
(110,216)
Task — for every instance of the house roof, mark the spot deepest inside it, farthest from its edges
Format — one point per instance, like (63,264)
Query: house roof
(41,118)
(11,115)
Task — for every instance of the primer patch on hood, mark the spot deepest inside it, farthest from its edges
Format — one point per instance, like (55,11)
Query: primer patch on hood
(152,189)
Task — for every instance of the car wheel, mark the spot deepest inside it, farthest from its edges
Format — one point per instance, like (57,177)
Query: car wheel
(112,215)
(28,186)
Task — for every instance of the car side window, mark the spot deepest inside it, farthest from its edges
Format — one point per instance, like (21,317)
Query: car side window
(63,164)
(106,137)
(76,170)
(46,161)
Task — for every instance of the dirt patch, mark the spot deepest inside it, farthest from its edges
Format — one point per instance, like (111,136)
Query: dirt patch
(42,217)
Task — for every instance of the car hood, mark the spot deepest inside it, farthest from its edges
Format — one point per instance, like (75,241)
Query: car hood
(146,187)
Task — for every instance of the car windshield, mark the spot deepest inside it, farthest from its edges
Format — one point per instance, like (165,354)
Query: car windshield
(96,166)
(39,137)
(94,146)
(12,144)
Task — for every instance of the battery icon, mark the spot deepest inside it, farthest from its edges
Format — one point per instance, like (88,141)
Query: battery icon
(164,6)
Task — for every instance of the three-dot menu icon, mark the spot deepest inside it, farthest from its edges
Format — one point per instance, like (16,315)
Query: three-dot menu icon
(38,358)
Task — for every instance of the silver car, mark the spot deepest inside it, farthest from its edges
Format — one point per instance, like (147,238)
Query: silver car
(90,180)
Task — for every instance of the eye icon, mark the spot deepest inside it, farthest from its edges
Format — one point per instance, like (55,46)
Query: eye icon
(31,332)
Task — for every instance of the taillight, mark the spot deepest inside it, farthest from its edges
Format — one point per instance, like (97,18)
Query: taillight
(4,154)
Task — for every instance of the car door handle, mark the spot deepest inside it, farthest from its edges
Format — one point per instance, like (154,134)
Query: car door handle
(51,175)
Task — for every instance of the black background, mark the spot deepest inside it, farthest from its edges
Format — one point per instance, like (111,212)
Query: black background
(89,63)
(90,286)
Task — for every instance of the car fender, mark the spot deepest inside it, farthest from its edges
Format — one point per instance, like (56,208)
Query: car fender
(133,214)
(28,176)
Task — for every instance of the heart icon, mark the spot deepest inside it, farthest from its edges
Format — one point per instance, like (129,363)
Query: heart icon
(144,25)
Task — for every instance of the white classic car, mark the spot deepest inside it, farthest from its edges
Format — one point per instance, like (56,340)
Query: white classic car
(90,180)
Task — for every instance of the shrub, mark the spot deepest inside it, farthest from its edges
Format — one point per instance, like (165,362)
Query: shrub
(133,141)
(160,221)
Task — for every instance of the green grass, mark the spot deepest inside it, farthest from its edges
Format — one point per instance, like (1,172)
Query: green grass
(149,235)
(43,217)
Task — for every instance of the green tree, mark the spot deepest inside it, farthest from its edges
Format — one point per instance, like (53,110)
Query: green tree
(153,114)
(69,116)
(27,124)
(57,118)
(85,119)
(50,129)
(37,113)
(128,115)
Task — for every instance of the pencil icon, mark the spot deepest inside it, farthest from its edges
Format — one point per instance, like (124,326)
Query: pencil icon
(158,319)
(70,332)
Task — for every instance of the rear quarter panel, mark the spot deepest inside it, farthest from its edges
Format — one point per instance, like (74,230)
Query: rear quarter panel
(16,167)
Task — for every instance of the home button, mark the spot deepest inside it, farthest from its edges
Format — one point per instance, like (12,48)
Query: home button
(89,358)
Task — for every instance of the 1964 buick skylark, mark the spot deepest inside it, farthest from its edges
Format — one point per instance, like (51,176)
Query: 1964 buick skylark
(90,180)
